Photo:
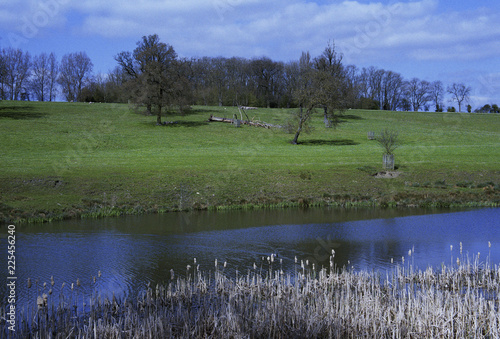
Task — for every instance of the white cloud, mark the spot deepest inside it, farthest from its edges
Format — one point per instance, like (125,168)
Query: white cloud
(281,29)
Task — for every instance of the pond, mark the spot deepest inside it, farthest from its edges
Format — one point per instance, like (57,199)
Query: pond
(129,252)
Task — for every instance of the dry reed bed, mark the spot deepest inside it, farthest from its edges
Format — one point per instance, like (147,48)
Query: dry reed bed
(457,301)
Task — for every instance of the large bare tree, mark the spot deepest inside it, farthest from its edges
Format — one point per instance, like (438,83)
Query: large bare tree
(44,75)
(437,93)
(53,75)
(16,71)
(418,93)
(2,77)
(75,71)
(459,93)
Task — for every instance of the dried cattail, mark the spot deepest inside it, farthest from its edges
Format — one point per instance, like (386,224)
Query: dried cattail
(409,253)
(72,286)
(296,260)
(29,282)
(78,282)
(50,292)
(188,267)
(44,285)
(52,282)
(62,286)
(39,302)
(99,274)
(195,261)
(489,244)
(460,247)
(458,262)
(392,260)
(403,259)
(215,262)
(94,279)
(225,264)
(172,274)
(254,266)
(451,248)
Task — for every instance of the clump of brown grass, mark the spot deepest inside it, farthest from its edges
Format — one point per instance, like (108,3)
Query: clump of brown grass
(457,301)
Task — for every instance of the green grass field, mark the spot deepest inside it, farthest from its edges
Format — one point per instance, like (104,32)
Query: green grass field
(75,159)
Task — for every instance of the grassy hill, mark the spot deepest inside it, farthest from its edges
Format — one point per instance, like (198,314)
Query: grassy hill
(75,159)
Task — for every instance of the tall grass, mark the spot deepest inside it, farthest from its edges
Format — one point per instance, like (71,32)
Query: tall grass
(460,300)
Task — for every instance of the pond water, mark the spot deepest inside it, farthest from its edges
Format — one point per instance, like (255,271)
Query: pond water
(132,251)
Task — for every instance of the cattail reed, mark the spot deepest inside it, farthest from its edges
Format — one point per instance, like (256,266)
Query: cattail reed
(461,301)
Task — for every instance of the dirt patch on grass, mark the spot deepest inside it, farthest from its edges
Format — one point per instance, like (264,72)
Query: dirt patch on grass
(387,175)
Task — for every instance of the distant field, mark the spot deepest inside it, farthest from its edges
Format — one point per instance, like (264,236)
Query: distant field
(75,159)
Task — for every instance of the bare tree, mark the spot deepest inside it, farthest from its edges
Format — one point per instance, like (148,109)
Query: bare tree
(75,70)
(291,82)
(219,78)
(437,93)
(418,93)
(17,68)
(52,76)
(3,74)
(460,93)
(42,76)
(389,141)
(303,94)
(392,90)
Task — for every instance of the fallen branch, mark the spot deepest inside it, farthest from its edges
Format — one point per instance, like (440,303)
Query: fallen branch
(243,122)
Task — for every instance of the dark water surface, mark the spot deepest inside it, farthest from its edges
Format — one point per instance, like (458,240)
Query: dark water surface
(131,251)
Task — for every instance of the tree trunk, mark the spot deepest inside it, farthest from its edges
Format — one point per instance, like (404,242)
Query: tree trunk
(158,116)
(299,129)
(325,119)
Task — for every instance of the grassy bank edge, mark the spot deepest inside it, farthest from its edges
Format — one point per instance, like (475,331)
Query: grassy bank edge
(10,215)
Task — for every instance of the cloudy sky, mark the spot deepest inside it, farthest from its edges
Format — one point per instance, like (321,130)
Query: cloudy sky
(451,41)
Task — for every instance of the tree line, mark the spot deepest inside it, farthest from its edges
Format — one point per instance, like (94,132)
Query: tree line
(153,76)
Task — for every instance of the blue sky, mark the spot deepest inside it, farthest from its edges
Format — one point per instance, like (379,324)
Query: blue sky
(451,41)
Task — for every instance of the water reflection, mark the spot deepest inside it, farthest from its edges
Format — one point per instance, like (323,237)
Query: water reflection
(132,251)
